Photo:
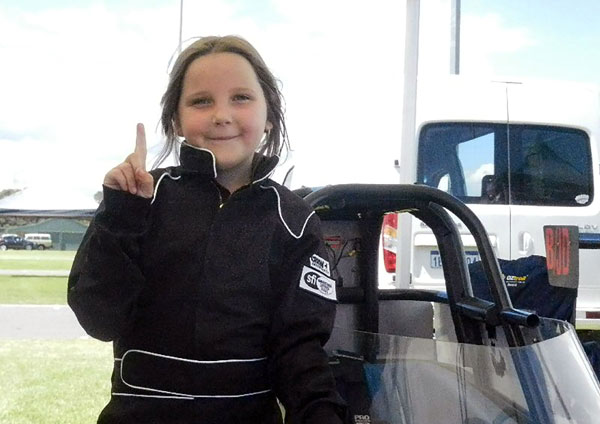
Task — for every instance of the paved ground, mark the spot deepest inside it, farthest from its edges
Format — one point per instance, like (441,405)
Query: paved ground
(39,322)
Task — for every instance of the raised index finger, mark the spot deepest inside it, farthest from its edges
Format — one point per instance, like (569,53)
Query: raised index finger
(140,145)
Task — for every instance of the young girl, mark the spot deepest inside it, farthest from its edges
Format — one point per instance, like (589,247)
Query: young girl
(211,280)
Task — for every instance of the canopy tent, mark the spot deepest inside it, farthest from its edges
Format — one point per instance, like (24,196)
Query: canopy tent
(49,213)
(66,234)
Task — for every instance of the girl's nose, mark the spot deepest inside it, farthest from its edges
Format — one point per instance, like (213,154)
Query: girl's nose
(221,117)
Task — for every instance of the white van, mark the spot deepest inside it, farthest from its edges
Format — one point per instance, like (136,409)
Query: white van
(521,155)
(40,241)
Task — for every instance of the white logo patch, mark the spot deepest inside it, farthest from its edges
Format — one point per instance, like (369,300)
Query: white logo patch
(317,283)
(320,264)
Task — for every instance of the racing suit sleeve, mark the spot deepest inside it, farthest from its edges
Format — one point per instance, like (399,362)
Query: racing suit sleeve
(105,280)
(302,323)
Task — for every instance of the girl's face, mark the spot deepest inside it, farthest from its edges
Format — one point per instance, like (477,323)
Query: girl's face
(223,109)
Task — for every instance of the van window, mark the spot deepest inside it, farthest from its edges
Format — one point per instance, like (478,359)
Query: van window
(548,165)
(470,155)
(476,157)
(551,166)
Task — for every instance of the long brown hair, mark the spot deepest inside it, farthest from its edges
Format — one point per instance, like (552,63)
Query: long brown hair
(276,138)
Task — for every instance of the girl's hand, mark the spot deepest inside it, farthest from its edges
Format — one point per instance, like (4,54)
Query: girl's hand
(131,175)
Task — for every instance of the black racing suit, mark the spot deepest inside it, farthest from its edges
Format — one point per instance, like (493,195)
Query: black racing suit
(217,304)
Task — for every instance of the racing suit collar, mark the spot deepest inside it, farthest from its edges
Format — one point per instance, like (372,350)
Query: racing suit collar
(197,160)
(263,167)
(202,161)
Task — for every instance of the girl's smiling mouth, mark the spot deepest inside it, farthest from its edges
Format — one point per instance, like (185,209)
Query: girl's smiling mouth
(222,138)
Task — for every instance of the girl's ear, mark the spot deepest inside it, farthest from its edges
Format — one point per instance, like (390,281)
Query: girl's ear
(268,126)
(177,127)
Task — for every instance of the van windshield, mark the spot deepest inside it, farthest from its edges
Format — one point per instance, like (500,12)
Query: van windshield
(507,164)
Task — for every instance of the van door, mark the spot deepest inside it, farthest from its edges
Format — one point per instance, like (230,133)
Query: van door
(550,183)
(469,161)
(552,170)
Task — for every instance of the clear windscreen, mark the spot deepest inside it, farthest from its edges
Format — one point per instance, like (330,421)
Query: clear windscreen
(392,379)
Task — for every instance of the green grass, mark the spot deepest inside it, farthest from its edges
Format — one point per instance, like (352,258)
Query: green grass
(36,260)
(33,290)
(54,382)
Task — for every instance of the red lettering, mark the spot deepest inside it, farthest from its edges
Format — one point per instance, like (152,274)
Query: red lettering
(558,252)
(564,251)
(550,257)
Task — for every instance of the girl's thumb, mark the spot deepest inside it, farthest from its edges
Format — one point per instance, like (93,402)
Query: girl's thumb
(145,183)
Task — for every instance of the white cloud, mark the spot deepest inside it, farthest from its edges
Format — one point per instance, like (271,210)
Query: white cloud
(47,197)
(473,179)
(484,37)
(78,80)
(97,72)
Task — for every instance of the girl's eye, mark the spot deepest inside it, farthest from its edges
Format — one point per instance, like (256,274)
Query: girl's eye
(242,98)
(203,101)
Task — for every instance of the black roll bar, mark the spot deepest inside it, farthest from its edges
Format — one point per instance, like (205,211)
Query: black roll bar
(367,203)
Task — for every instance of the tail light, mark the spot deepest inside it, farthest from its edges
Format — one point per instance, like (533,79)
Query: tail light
(389,238)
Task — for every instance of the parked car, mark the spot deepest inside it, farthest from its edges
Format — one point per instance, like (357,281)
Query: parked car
(40,241)
(15,242)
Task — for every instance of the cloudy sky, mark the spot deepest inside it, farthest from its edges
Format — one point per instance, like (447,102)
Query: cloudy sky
(76,76)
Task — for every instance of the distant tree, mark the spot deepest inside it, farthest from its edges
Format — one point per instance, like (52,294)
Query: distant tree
(98,197)
(8,192)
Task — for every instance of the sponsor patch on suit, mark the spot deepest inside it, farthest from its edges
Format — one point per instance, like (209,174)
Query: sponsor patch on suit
(320,264)
(317,283)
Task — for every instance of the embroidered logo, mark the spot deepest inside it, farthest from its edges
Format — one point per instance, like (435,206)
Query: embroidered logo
(515,280)
(317,283)
(320,264)
(362,419)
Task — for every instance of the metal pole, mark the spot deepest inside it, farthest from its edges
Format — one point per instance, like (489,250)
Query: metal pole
(180,26)
(408,147)
(455,37)
(408,144)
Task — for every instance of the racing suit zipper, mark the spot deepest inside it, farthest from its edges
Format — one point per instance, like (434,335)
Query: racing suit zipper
(219,194)
(221,201)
